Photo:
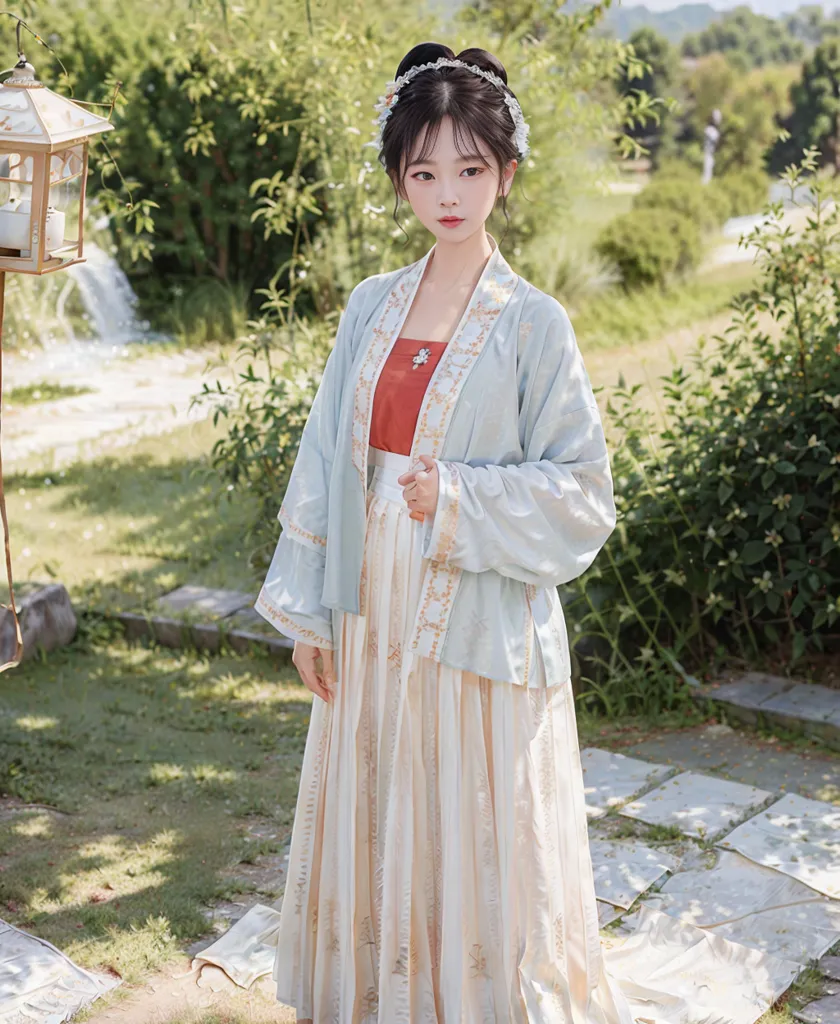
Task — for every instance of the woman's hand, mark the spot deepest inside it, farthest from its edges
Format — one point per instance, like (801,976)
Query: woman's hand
(321,683)
(420,488)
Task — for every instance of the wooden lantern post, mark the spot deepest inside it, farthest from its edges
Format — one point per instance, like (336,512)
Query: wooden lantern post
(43,171)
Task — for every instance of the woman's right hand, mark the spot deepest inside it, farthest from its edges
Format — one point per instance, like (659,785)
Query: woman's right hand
(304,659)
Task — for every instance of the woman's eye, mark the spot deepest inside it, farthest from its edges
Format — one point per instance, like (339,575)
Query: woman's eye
(478,169)
(423,172)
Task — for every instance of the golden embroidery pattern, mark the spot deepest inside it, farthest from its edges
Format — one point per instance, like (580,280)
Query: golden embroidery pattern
(449,524)
(478,961)
(494,289)
(369,1003)
(439,589)
(292,527)
(305,634)
(383,335)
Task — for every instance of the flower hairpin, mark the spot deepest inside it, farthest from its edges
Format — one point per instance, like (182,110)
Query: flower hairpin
(391,95)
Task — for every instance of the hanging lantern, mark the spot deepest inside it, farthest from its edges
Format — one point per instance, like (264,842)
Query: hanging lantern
(43,171)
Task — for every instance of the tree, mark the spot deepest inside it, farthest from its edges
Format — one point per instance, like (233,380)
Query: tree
(747,39)
(815,118)
(660,78)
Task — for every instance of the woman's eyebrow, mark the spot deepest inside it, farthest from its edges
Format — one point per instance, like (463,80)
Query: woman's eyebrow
(469,158)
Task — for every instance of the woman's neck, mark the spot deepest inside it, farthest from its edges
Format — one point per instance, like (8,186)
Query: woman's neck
(457,263)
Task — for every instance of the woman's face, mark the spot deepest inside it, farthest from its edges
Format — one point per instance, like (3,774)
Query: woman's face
(447,184)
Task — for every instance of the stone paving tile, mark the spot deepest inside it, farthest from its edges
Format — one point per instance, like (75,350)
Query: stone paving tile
(830,966)
(750,690)
(698,805)
(210,602)
(753,905)
(796,836)
(624,870)
(610,778)
(825,1010)
(805,700)
(742,756)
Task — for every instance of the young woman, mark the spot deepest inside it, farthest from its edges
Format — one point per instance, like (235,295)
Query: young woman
(451,474)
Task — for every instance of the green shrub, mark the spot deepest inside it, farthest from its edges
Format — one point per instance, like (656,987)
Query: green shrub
(682,195)
(649,246)
(746,190)
(729,520)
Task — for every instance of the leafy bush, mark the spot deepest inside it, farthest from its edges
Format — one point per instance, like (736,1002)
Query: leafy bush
(649,246)
(265,408)
(745,190)
(684,197)
(728,540)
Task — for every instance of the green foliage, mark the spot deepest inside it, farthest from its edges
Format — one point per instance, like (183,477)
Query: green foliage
(814,120)
(742,191)
(649,246)
(264,412)
(683,197)
(658,76)
(729,519)
(748,39)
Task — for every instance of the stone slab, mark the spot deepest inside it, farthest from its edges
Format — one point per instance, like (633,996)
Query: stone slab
(698,805)
(702,973)
(796,836)
(204,601)
(47,621)
(610,778)
(753,905)
(624,870)
(750,690)
(743,756)
(607,913)
(830,966)
(39,983)
(806,701)
(825,1010)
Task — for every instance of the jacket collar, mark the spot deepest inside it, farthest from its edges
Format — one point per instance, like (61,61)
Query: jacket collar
(491,294)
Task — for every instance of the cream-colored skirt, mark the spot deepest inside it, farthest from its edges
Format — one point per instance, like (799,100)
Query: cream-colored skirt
(439,868)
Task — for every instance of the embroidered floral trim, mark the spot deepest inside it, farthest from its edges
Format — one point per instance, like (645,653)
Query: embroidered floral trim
(383,335)
(306,635)
(292,527)
(447,525)
(493,291)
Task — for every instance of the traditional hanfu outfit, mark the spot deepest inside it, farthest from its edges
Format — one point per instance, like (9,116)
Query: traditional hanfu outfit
(439,867)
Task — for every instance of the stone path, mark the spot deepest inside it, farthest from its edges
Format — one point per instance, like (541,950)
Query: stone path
(133,394)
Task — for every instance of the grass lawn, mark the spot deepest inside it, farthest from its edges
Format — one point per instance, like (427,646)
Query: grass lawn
(146,768)
(127,527)
(613,319)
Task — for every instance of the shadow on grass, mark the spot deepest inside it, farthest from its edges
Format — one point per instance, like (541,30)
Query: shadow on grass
(158,761)
(122,530)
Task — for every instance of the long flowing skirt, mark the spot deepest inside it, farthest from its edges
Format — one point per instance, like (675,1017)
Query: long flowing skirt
(439,868)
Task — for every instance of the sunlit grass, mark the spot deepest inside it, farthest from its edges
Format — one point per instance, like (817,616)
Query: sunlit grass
(153,763)
(613,318)
(126,528)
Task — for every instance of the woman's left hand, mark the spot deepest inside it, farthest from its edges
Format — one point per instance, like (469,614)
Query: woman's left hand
(420,488)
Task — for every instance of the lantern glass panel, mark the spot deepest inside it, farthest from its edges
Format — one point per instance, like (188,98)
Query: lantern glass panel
(16,171)
(64,209)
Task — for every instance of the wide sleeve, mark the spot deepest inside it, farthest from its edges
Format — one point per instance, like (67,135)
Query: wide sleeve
(543,520)
(290,597)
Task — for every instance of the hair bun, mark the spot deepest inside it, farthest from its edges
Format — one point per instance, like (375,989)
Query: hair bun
(485,60)
(423,53)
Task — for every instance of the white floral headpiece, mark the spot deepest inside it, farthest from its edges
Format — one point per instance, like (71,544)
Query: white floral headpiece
(386,102)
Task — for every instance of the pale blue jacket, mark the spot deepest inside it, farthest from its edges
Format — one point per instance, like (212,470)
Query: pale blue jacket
(525,501)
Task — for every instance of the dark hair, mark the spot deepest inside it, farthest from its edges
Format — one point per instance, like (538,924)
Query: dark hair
(477,108)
